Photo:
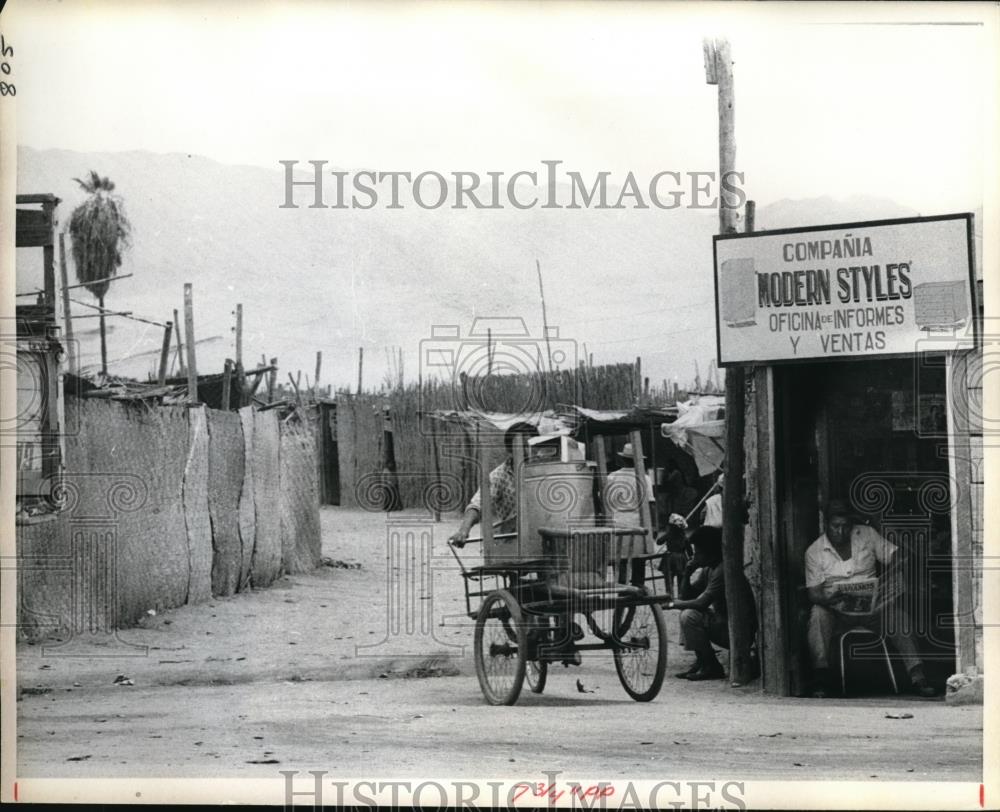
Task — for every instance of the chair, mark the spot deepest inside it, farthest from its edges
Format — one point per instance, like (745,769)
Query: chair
(880,641)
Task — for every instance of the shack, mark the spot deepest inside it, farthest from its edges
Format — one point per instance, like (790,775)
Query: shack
(864,384)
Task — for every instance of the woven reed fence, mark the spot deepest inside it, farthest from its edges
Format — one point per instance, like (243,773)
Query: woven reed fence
(435,465)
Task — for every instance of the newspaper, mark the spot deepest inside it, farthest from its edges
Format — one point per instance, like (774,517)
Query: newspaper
(858,598)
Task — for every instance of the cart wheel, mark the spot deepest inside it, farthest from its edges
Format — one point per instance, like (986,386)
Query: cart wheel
(641,669)
(500,643)
(536,672)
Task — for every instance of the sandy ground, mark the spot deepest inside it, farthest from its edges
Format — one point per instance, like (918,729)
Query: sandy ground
(316,673)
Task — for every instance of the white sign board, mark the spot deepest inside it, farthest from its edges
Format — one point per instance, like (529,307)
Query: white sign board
(861,289)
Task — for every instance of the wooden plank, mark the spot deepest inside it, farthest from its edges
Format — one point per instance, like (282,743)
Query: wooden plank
(161,379)
(773,635)
(239,334)
(518,449)
(639,463)
(34,198)
(227,373)
(485,494)
(49,273)
(737,597)
(437,462)
(33,228)
(272,379)
(192,364)
(976,458)
(180,350)
(67,314)
(962,522)
(600,451)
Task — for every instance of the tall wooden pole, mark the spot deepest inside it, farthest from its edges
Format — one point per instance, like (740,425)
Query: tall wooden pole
(104,337)
(227,372)
(168,328)
(361,363)
(239,334)
(545,318)
(319,366)
(180,345)
(70,349)
(719,72)
(192,365)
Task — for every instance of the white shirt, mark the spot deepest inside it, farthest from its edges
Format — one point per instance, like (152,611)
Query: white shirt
(823,562)
(713,511)
(620,497)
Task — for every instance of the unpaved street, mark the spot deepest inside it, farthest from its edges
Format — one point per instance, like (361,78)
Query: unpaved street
(274,680)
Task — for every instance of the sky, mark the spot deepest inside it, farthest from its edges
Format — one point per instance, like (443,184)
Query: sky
(830,100)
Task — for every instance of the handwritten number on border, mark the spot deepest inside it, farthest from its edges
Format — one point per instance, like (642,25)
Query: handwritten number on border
(6,53)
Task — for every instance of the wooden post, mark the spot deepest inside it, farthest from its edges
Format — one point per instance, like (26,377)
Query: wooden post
(485,496)
(227,372)
(392,499)
(519,449)
(180,355)
(361,363)
(719,71)
(545,320)
(600,451)
(272,378)
(104,337)
(437,465)
(639,464)
(192,364)
(48,257)
(637,380)
(319,366)
(239,334)
(165,353)
(295,386)
(70,349)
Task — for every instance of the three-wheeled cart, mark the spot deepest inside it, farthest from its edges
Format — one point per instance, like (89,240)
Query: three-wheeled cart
(563,562)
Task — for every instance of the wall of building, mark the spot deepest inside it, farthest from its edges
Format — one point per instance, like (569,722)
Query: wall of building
(165,506)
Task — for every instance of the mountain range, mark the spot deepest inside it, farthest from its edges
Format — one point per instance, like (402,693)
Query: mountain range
(617,283)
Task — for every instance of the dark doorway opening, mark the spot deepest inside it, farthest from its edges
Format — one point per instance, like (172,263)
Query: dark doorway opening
(874,433)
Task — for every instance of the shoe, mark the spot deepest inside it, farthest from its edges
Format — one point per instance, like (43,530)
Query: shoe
(685,674)
(819,693)
(922,688)
(711,673)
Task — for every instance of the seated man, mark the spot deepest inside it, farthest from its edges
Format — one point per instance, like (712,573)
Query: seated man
(704,619)
(847,552)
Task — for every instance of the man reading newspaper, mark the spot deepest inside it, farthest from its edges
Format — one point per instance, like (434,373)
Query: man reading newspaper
(842,585)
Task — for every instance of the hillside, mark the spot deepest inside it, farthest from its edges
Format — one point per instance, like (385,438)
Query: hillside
(626,283)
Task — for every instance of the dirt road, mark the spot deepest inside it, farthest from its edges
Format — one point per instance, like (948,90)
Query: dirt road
(275,680)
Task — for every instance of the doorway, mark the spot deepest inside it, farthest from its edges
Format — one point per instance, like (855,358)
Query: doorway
(874,433)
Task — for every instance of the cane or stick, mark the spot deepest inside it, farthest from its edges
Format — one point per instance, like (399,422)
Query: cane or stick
(702,501)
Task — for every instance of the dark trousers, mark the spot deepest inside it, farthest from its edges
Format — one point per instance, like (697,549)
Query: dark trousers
(702,629)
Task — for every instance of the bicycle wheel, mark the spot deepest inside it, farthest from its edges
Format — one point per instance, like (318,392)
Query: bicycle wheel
(642,662)
(500,642)
(536,671)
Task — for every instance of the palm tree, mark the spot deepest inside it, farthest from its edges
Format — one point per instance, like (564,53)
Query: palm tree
(100,232)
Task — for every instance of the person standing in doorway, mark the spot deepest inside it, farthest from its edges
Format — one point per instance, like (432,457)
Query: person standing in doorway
(623,497)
